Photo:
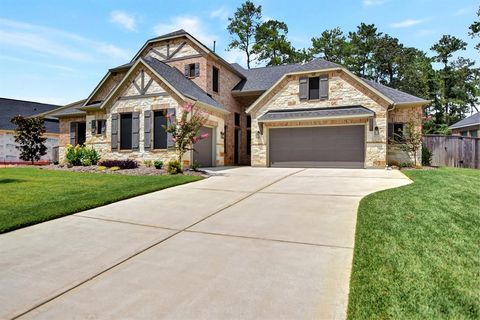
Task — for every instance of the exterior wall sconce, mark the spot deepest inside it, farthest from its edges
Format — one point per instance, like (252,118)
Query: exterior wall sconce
(257,134)
(376,131)
(222,134)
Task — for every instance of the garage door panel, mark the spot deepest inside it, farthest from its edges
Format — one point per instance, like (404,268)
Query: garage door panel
(341,146)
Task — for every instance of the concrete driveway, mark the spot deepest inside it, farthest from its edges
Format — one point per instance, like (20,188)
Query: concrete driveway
(247,243)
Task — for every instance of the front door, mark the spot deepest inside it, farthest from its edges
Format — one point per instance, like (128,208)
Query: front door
(236,154)
(203,149)
(81,132)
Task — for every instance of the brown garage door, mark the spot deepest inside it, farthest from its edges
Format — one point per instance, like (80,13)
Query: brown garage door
(203,149)
(340,147)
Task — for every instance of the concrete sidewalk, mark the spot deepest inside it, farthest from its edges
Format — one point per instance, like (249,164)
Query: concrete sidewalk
(246,243)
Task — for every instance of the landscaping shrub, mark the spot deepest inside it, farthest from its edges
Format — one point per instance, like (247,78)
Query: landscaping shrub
(195,166)
(115,168)
(405,165)
(122,164)
(174,167)
(158,164)
(81,155)
(426,156)
(101,168)
(147,163)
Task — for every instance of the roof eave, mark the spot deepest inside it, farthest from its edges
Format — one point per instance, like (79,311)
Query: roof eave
(319,118)
(206,105)
(412,104)
(240,93)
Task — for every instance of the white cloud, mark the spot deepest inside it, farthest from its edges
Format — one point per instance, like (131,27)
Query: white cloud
(406,23)
(57,43)
(221,13)
(369,3)
(192,25)
(124,20)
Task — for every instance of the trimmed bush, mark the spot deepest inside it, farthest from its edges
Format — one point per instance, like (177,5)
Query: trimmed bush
(81,156)
(122,164)
(158,164)
(148,163)
(114,168)
(174,167)
(195,166)
(426,156)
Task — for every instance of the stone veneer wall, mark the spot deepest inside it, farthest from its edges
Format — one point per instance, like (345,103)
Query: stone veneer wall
(343,91)
(403,115)
(102,143)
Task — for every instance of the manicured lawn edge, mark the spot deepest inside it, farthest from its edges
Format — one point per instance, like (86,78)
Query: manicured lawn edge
(32,195)
(416,249)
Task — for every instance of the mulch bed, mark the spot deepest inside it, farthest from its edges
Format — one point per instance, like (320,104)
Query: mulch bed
(140,171)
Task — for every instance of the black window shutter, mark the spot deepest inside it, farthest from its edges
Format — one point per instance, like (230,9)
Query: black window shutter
(324,87)
(147,125)
(135,130)
(303,88)
(390,131)
(170,142)
(94,127)
(114,140)
(187,70)
(73,133)
(197,69)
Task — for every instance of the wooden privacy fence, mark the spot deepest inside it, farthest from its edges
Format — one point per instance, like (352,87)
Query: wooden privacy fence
(453,151)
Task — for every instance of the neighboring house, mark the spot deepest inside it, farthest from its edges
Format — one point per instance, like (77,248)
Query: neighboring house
(468,127)
(10,108)
(312,114)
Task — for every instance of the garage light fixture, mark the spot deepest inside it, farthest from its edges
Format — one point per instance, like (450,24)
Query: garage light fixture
(376,131)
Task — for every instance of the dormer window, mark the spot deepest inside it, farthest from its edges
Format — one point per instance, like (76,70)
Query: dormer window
(192,70)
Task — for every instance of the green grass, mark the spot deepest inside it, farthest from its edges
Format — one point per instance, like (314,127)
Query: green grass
(417,249)
(31,195)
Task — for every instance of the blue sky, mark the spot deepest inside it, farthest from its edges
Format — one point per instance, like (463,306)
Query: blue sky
(57,51)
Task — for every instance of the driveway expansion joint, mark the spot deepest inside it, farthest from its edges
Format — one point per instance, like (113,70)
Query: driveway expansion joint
(125,222)
(268,239)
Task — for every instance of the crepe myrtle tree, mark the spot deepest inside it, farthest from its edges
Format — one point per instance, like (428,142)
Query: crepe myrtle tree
(185,132)
(29,135)
(410,141)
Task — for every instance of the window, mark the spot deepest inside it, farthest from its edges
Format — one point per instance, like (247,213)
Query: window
(474,133)
(160,136)
(395,131)
(237,119)
(249,121)
(101,127)
(125,131)
(464,133)
(192,70)
(215,79)
(314,88)
(78,131)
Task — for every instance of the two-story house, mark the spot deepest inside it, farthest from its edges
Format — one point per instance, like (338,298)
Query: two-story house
(316,114)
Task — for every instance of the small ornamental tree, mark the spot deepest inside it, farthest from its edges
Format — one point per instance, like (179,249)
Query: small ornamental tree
(185,132)
(29,136)
(411,140)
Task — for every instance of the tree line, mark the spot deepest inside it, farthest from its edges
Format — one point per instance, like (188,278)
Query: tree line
(450,81)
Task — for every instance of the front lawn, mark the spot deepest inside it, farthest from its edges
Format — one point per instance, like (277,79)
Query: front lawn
(31,195)
(417,249)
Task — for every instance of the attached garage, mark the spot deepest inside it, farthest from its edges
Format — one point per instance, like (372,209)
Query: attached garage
(339,146)
(335,146)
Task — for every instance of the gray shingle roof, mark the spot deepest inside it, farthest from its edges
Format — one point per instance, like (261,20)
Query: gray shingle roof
(70,110)
(292,114)
(10,108)
(176,79)
(395,95)
(472,120)
(261,79)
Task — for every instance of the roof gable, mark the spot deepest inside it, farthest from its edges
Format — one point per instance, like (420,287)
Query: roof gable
(184,88)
